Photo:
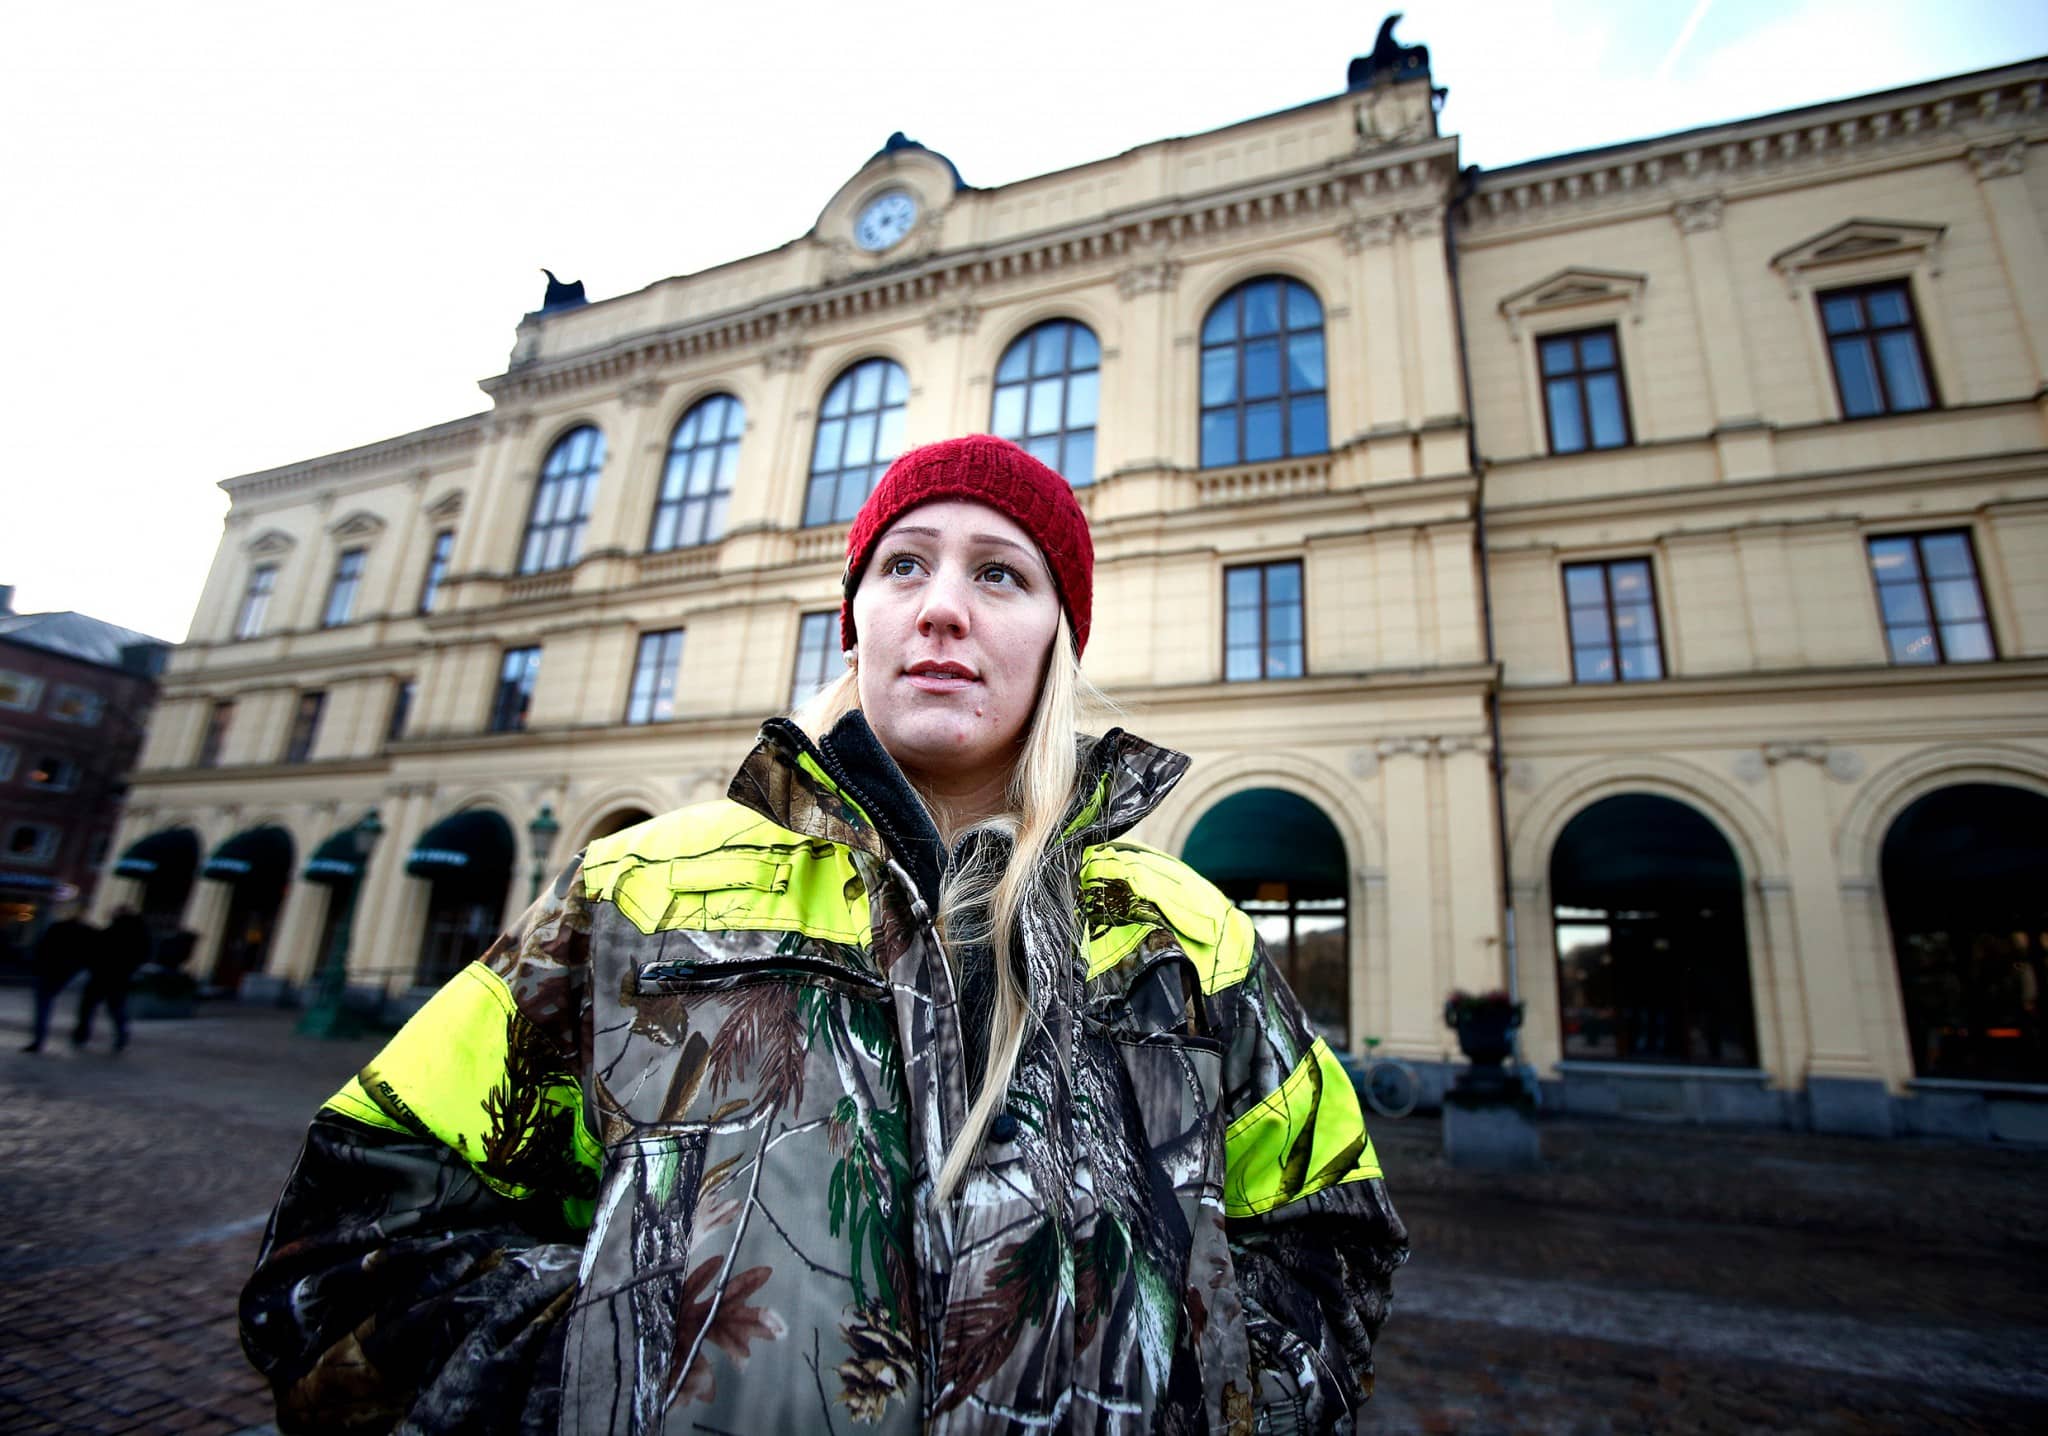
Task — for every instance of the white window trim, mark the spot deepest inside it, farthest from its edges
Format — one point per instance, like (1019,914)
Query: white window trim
(1871,251)
(1572,299)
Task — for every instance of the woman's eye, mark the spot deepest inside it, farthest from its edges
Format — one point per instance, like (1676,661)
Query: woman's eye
(1001,573)
(902,566)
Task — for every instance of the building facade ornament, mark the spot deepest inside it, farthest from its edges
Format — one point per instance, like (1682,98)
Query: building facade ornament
(1999,160)
(1159,276)
(643,393)
(956,319)
(785,358)
(1424,221)
(1367,231)
(1697,216)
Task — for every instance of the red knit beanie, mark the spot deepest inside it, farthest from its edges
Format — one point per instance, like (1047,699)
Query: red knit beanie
(982,469)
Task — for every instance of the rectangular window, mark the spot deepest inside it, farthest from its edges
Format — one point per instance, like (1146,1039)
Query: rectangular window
(32,842)
(1929,599)
(72,704)
(20,691)
(1612,611)
(653,699)
(1262,622)
(217,722)
(437,569)
(516,676)
(817,644)
(53,773)
(1874,344)
(256,600)
(341,594)
(401,709)
(8,757)
(1585,404)
(305,727)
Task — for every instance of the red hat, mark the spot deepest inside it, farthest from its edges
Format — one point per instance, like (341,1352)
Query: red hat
(982,469)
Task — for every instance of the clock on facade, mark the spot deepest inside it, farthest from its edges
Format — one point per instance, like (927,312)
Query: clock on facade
(885,220)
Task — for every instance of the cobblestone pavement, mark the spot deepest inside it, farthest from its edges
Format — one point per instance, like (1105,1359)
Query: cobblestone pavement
(1649,1279)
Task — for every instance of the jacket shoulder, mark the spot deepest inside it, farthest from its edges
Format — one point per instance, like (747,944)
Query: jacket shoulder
(1212,931)
(685,832)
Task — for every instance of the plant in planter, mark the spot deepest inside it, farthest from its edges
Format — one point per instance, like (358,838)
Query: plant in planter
(1485,1023)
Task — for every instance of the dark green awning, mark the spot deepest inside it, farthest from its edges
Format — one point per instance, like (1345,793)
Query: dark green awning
(473,847)
(260,857)
(1643,851)
(335,861)
(1265,836)
(171,852)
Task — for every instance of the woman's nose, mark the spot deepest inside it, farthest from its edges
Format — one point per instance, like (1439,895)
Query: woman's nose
(945,606)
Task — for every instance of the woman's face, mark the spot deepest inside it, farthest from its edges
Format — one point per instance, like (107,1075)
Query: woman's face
(955,616)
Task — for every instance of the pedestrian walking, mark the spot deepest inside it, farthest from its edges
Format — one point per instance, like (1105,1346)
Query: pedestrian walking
(111,961)
(898,1089)
(60,954)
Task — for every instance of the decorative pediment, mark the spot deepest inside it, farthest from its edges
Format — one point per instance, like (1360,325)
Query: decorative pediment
(360,525)
(1588,293)
(890,210)
(448,506)
(1847,251)
(271,543)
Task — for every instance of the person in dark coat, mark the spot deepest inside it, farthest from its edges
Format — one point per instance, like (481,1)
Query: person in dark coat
(63,949)
(110,966)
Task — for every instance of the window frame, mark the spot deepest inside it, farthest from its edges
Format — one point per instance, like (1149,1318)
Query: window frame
(49,838)
(666,658)
(305,729)
(9,756)
(716,500)
(67,769)
(826,622)
(214,736)
(1861,293)
(1063,433)
(439,556)
(582,481)
(1579,374)
(255,605)
(343,587)
(1284,396)
(502,718)
(1264,568)
(92,702)
(1918,538)
(877,462)
(1571,643)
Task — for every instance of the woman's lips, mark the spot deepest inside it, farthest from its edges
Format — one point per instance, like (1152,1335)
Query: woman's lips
(939,677)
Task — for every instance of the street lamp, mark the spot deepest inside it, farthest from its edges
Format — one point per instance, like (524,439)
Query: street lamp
(329,1015)
(543,830)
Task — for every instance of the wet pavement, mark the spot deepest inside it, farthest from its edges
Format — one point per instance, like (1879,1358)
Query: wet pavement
(1650,1278)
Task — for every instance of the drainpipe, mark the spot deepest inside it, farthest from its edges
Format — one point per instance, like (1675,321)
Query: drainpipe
(1468,181)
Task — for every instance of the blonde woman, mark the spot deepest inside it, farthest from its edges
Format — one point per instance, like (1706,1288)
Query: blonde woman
(896,1091)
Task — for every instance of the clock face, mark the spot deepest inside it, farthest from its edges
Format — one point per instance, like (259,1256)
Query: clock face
(887,218)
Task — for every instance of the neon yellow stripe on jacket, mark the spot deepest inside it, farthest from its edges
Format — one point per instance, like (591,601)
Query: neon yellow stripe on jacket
(1215,935)
(1307,1134)
(452,1074)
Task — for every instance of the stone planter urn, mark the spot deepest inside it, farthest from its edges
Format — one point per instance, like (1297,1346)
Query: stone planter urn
(1487,1118)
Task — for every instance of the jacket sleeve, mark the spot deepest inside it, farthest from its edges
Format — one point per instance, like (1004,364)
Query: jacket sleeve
(1313,1234)
(425,1249)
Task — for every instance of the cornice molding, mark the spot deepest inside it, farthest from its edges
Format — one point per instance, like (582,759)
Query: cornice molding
(1981,117)
(1414,181)
(396,454)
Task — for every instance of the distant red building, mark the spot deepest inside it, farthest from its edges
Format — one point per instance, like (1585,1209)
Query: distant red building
(75,696)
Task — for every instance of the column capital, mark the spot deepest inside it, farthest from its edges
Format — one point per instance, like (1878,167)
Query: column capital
(1367,231)
(1696,216)
(1999,159)
(1159,276)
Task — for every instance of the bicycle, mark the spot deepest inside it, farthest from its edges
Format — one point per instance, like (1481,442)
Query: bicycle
(1389,1085)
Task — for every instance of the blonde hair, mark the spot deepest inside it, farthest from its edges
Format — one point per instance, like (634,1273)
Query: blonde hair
(1037,796)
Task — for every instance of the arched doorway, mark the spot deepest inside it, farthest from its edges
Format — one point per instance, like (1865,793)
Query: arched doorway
(1966,886)
(1277,856)
(1652,954)
(616,821)
(166,862)
(256,864)
(467,856)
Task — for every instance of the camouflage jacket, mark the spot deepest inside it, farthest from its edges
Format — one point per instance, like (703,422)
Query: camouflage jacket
(662,1160)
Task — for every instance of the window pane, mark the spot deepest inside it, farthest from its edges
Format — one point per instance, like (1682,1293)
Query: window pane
(1592,665)
(1558,356)
(1629,580)
(889,439)
(715,525)
(867,386)
(836,398)
(1045,450)
(1241,627)
(831,439)
(1902,603)
(1262,432)
(1641,661)
(1858,378)
(1016,359)
(1084,352)
(1567,434)
(1283,623)
(1303,312)
(1596,351)
(1305,361)
(1966,642)
(686,432)
(728,463)
(1309,426)
(1947,556)
(852,493)
(1262,307)
(1240,664)
(1886,306)
(897,389)
(1635,622)
(1283,662)
(1911,645)
(1049,349)
(1077,465)
(1956,599)
(1589,625)
(1045,406)
(1893,558)
(1582,585)
(664,529)
(860,440)
(693,523)
(818,503)
(1219,438)
(1283,583)
(1261,369)
(1008,421)
(1903,376)
(1603,397)
(1219,375)
(1242,587)
(1841,314)
(1221,325)
(702,467)
(1081,400)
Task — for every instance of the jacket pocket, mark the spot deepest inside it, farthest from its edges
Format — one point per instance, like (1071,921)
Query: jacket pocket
(700,974)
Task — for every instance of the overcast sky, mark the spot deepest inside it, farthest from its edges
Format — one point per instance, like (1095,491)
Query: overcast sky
(240,235)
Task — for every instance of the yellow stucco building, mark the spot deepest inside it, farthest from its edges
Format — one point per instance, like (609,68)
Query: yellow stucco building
(1622,577)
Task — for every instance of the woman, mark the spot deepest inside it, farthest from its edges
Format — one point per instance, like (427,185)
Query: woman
(745,1128)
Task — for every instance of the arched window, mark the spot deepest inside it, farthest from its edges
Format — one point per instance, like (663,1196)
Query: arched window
(1046,392)
(1263,386)
(860,429)
(561,501)
(697,485)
